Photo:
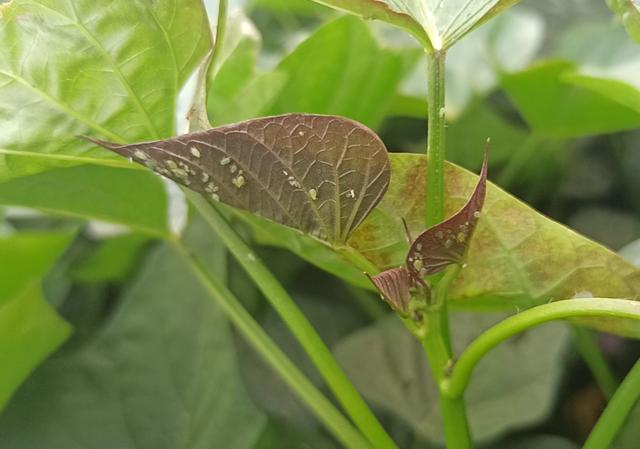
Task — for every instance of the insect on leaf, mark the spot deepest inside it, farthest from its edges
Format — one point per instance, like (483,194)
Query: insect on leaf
(319,174)
(394,287)
(446,243)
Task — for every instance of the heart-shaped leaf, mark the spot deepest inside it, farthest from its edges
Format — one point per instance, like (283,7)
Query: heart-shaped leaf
(446,243)
(514,386)
(437,24)
(517,257)
(319,174)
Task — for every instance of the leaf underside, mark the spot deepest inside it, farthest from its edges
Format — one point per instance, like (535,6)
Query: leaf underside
(437,24)
(446,243)
(319,174)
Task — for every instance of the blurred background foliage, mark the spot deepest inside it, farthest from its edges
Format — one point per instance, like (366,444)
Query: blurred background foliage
(554,84)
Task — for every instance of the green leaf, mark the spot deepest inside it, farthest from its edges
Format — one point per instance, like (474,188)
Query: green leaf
(70,68)
(236,90)
(29,327)
(629,13)
(114,260)
(318,174)
(513,386)
(161,374)
(341,70)
(134,198)
(437,24)
(27,257)
(557,101)
(517,256)
(30,330)
(269,233)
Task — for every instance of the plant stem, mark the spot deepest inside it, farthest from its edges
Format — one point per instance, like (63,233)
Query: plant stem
(435,138)
(616,413)
(456,426)
(587,344)
(437,346)
(318,352)
(569,308)
(437,339)
(339,426)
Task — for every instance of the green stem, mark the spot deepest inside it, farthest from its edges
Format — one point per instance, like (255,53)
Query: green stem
(456,426)
(437,346)
(569,308)
(435,138)
(321,356)
(437,339)
(339,426)
(587,344)
(614,416)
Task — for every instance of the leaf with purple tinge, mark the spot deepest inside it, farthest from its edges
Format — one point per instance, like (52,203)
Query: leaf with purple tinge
(319,174)
(447,242)
(394,287)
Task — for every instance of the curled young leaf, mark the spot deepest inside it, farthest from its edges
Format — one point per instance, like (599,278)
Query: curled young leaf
(319,174)
(446,243)
(394,287)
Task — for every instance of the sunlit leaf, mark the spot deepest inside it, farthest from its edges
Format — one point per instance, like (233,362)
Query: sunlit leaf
(629,13)
(134,198)
(318,174)
(341,69)
(79,67)
(517,256)
(558,101)
(437,24)
(447,242)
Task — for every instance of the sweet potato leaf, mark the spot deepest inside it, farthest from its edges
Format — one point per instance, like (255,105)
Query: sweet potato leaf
(447,242)
(319,174)
(30,329)
(629,13)
(517,257)
(513,386)
(69,68)
(559,101)
(341,69)
(161,374)
(436,24)
(394,286)
(95,192)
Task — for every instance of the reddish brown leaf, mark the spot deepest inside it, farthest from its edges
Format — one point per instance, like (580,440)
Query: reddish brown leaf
(394,287)
(319,174)
(446,243)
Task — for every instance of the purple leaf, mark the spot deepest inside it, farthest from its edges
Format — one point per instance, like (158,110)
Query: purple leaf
(394,286)
(446,243)
(319,174)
